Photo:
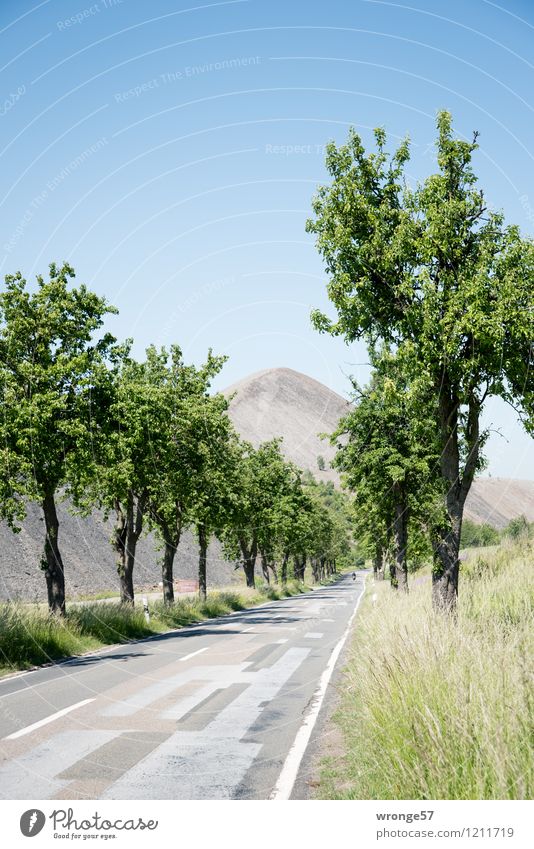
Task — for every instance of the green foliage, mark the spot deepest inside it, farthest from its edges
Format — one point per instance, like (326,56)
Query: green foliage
(478,535)
(432,270)
(518,527)
(387,455)
(51,369)
(177,433)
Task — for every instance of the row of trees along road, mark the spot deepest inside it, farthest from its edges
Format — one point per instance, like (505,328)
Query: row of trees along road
(442,290)
(145,442)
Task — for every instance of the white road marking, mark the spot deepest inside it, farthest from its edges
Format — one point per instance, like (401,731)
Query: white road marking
(280,642)
(313,635)
(286,779)
(328,620)
(35,773)
(246,630)
(193,654)
(164,687)
(46,720)
(209,764)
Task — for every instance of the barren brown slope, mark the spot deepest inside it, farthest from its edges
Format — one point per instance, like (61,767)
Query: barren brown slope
(286,403)
(283,402)
(497,500)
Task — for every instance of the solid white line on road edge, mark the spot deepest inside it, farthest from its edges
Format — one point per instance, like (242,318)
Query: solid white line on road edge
(30,728)
(288,776)
(193,654)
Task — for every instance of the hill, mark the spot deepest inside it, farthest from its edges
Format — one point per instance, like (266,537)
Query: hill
(89,558)
(283,402)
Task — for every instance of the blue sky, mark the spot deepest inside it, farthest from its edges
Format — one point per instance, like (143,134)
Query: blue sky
(170,150)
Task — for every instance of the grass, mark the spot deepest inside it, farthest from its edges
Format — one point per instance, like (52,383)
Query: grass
(29,636)
(433,708)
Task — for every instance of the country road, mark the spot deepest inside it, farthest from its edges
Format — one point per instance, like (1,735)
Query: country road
(221,710)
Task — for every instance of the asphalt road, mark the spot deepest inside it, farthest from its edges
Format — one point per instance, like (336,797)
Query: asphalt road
(221,710)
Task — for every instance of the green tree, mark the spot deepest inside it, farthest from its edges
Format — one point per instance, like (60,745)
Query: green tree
(176,430)
(213,467)
(124,461)
(478,535)
(517,527)
(264,477)
(50,370)
(432,266)
(388,457)
(289,518)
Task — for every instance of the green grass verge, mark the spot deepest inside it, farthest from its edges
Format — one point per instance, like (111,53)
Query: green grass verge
(433,708)
(29,636)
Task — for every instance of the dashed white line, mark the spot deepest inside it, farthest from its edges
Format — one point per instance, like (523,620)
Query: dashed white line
(193,654)
(46,720)
(281,642)
(313,635)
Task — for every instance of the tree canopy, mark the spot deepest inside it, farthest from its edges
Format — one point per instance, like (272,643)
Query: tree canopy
(432,267)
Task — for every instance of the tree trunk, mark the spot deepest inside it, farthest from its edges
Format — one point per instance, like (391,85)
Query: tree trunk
(446,569)
(283,571)
(202,558)
(400,540)
(52,562)
(299,567)
(167,571)
(128,529)
(265,568)
(249,560)
(378,564)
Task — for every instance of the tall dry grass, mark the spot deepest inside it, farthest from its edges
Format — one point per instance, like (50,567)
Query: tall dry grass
(434,708)
(29,636)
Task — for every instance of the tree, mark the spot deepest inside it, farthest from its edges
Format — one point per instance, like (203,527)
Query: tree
(433,267)
(330,536)
(123,459)
(212,465)
(388,458)
(478,535)
(288,515)
(180,397)
(517,528)
(50,368)
(264,478)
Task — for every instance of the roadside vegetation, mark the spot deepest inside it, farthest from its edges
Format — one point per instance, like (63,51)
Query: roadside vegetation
(30,636)
(435,282)
(148,443)
(441,708)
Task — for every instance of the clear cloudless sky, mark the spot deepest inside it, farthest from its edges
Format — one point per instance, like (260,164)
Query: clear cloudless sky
(169,151)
